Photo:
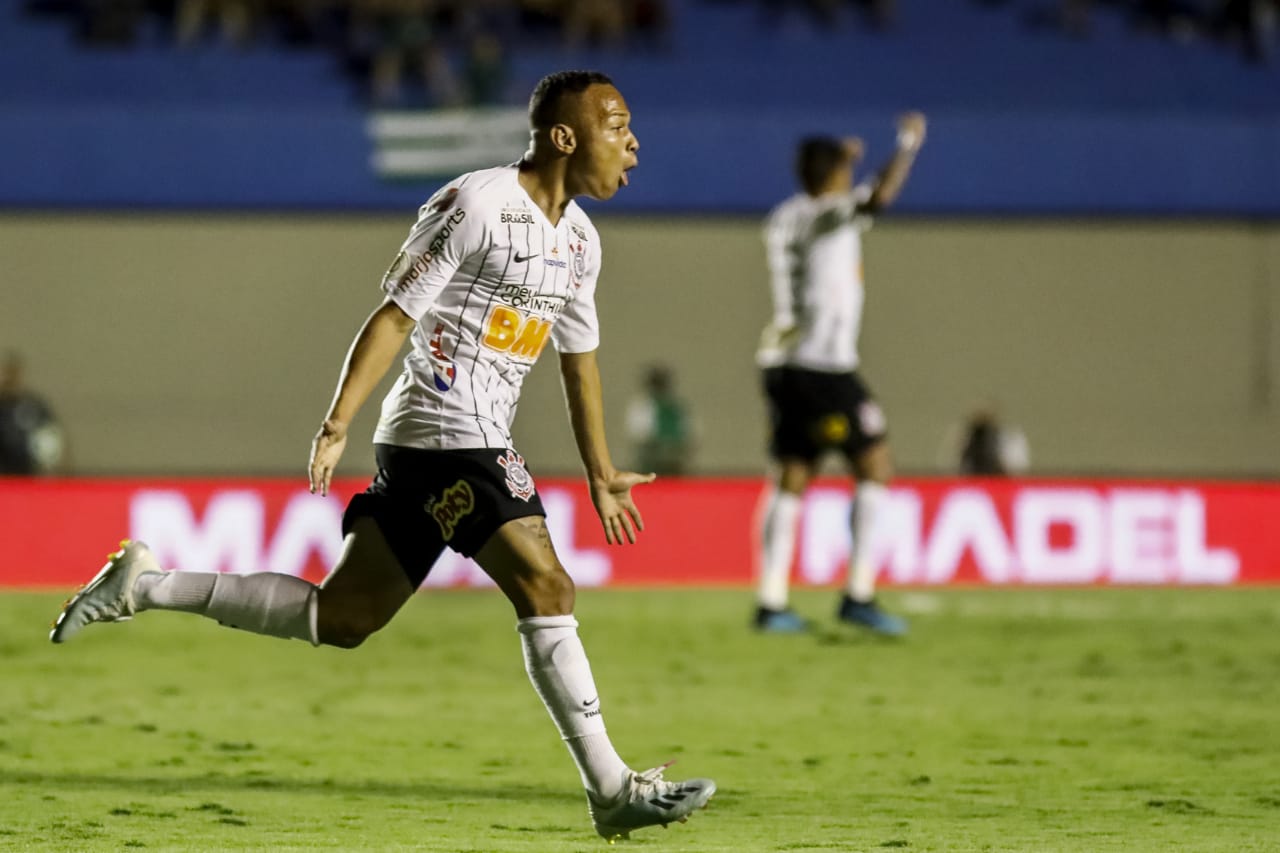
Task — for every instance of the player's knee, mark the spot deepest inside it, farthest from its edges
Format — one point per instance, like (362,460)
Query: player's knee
(348,629)
(344,641)
(875,465)
(794,478)
(551,592)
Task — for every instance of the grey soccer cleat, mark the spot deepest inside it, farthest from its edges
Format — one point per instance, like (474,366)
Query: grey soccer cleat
(648,800)
(109,596)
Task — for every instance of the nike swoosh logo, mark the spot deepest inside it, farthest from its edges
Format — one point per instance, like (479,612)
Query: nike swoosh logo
(521,259)
(591,702)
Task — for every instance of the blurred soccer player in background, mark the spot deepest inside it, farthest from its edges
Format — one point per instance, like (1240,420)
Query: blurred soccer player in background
(817,401)
(499,262)
(660,425)
(31,439)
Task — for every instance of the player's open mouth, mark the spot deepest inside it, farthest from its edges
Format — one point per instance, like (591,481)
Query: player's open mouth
(626,178)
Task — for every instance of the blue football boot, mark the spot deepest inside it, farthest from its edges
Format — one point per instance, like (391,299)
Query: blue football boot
(785,621)
(867,614)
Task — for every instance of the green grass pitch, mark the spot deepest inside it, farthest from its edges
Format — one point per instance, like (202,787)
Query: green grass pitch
(1010,720)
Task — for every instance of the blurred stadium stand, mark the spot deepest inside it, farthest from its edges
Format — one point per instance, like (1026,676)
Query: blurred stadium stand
(1027,118)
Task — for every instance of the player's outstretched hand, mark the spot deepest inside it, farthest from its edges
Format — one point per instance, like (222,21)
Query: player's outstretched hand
(618,513)
(326,450)
(911,129)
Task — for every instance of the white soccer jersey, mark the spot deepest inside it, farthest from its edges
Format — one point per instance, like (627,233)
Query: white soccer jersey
(490,280)
(814,251)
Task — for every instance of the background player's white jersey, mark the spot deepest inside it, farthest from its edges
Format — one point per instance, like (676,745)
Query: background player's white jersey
(814,250)
(490,281)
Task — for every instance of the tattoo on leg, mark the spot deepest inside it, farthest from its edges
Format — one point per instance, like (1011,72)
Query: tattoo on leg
(544,535)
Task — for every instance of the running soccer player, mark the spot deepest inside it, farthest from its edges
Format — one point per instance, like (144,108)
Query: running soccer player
(809,354)
(500,262)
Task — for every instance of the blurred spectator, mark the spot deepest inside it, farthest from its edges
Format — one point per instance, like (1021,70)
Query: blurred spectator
(109,23)
(594,22)
(309,23)
(879,14)
(497,18)
(1077,17)
(1179,19)
(660,425)
(402,35)
(238,19)
(1251,24)
(825,13)
(1072,17)
(651,23)
(486,71)
(983,446)
(30,439)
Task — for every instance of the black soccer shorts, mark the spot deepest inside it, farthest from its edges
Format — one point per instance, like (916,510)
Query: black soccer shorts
(426,500)
(812,412)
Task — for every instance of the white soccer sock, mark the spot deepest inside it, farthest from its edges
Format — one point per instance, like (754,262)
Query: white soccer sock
(557,666)
(868,498)
(265,603)
(779,523)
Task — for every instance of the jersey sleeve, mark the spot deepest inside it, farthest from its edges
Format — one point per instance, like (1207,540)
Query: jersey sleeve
(448,231)
(777,238)
(860,197)
(578,328)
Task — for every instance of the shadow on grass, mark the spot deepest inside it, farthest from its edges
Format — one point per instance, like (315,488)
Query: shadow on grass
(848,636)
(426,789)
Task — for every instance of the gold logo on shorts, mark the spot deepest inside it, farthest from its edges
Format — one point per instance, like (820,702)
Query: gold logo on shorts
(457,502)
(833,429)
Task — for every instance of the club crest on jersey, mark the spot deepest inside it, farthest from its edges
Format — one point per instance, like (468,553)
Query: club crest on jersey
(579,263)
(519,480)
(443,371)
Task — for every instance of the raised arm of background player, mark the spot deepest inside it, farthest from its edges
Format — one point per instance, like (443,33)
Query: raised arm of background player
(889,182)
(610,488)
(884,191)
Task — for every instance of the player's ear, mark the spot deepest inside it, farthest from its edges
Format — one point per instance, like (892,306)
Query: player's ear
(563,139)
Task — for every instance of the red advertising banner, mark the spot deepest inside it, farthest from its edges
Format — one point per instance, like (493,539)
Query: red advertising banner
(698,531)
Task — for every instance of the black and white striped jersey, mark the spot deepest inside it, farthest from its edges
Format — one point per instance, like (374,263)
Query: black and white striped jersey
(814,250)
(490,281)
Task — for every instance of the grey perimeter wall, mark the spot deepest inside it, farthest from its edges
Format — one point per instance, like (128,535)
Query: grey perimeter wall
(211,344)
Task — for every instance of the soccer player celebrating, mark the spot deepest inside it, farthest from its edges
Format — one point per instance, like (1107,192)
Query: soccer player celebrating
(809,353)
(499,262)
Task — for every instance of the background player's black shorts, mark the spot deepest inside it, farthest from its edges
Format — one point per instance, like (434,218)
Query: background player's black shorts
(425,500)
(812,412)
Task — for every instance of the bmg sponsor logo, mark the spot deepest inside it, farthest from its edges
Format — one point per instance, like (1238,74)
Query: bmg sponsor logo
(516,333)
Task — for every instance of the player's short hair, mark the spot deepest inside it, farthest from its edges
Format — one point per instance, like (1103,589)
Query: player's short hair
(547,101)
(816,158)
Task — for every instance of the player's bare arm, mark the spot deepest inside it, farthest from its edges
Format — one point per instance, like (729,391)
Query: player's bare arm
(889,183)
(610,488)
(371,355)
